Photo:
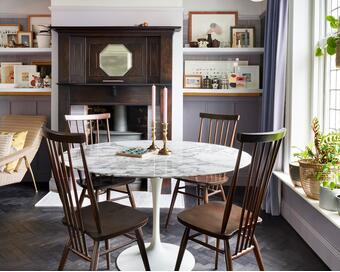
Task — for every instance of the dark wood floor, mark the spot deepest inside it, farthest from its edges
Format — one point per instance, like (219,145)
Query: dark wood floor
(33,238)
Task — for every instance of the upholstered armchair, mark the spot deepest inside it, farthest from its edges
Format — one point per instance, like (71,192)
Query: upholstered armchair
(17,123)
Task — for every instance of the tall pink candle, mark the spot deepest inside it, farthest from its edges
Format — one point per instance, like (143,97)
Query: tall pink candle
(153,104)
(165,105)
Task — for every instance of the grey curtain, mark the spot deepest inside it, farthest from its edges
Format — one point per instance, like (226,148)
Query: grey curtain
(274,86)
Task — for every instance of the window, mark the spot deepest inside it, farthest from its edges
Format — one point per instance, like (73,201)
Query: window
(332,90)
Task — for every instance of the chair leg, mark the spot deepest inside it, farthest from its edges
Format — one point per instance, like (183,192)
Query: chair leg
(97,195)
(206,201)
(108,256)
(141,246)
(82,197)
(223,193)
(217,253)
(182,248)
(258,255)
(131,198)
(108,194)
(28,166)
(95,257)
(227,256)
(173,201)
(64,256)
(198,193)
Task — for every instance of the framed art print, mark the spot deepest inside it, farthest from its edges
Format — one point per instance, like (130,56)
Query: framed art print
(5,30)
(7,71)
(218,24)
(22,75)
(25,39)
(252,76)
(243,37)
(193,82)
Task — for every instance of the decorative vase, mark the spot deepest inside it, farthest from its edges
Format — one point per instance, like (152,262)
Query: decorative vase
(294,172)
(328,199)
(44,41)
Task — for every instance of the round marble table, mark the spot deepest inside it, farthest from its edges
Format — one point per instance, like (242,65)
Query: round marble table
(187,159)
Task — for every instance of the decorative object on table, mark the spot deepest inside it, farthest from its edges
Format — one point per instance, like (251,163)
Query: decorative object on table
(7,71)
(320,162)
(192,81)
(206,83)
(38,24)
(203,43)
(210,68)
(165,151)
(5,30)
(153,147)
(331,44)
(193,44)
(338,203)
(215,84)
(135,152)
(232,80)
(252,75)
(294,172)
(217,24)
(25,39)
(215,43)
(12,40)
(243,37)
(44,67)
(47,82)
(210,40)
(35,80)
(22,75)
(224,82)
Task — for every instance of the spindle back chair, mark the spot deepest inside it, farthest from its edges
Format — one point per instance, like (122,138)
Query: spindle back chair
(238,221)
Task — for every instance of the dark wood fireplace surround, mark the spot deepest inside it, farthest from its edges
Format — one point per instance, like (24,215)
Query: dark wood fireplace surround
(82,82)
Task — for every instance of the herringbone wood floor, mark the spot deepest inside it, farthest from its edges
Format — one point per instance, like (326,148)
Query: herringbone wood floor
(33,238)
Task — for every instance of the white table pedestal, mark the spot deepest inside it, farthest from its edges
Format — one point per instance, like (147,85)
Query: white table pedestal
(162,256)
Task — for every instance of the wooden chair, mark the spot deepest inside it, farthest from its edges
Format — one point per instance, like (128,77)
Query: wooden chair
(224,220)
(89,125)
(214,129)
(101,221)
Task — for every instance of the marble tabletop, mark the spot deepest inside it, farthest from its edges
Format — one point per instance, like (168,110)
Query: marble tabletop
(187,159)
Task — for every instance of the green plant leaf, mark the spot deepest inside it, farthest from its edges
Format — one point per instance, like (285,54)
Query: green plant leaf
(331,50)
(332,185)
(331,42)
(325,184)
(318,52)
(334,23)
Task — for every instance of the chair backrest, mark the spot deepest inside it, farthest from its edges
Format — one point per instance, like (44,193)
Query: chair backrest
(59,147)
(89,125)
(265,147)
(218,128)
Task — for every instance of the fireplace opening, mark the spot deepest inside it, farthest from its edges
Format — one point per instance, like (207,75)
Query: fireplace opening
(126,122)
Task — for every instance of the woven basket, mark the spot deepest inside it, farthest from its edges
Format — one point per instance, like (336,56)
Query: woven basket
(308,174)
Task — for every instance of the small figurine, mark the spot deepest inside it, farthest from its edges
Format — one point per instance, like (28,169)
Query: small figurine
(224,82)
(232,80)
(206,83)
(47,82)
(215,83)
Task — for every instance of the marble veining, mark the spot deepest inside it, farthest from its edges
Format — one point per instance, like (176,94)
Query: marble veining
(187,159)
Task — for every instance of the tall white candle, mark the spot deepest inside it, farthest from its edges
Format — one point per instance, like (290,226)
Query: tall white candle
(165,105)
(153,104)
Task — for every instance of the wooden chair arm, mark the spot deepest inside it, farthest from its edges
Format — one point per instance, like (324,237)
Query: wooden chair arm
(16,155)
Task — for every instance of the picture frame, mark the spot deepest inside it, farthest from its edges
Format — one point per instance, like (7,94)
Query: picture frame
(36,23)
(12,40)
(7,72)
(216,23)
(6,29)
(242,37)
(192,82)
(22,75)
(25,39)
(252,75)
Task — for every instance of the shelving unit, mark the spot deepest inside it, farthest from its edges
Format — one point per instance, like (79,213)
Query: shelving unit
(219,92)
(187,51)
(9,90)
(25,51)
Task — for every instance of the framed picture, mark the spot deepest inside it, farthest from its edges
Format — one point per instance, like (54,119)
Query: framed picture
(44,67)
(22,75)
(12,40)
(193,82)
(7,72)
(217,24)
(243,37)
(5,30)
(25,39)
(252,76)
(37,23)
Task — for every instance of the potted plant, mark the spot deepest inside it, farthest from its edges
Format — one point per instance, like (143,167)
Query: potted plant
(331,44)
(44,36)
(320,165)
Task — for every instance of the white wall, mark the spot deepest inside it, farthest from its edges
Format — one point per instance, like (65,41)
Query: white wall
(21,8)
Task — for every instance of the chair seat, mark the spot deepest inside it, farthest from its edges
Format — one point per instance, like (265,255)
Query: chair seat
(207,219)
(116,220)
(207,179)
(103,183)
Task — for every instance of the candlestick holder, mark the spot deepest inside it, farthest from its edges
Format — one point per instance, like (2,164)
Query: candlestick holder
(165,151)
(153,147)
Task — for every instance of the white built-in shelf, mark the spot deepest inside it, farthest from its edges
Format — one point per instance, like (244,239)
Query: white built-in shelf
(220,92)
(187,51)
(25,51)
(9,90)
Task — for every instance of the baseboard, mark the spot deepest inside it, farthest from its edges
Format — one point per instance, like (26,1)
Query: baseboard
(316,240)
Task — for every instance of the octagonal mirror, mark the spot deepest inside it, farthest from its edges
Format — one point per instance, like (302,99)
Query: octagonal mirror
(115,60)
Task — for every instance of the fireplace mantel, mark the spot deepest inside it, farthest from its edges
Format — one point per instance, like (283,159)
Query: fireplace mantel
(81,82)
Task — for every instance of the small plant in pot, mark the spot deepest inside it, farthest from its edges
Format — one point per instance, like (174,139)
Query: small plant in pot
(320,166)
(44,36)
(331,44)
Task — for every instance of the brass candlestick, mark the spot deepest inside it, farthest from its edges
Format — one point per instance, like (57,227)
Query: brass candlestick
(165,151)
(153,146)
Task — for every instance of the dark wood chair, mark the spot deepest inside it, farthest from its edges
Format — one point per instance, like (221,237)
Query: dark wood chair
(89,125)
(225,220)
(214,129)
(101,221)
